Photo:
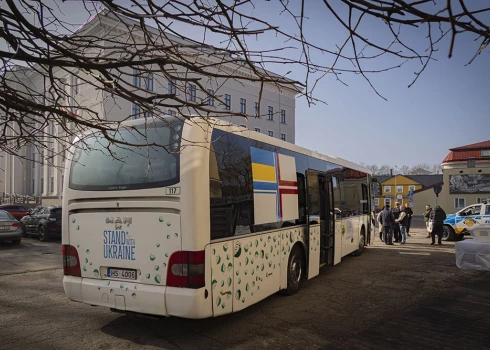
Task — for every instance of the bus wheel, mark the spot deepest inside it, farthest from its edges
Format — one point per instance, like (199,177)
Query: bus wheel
(296,270)
(447,233)
(362,242)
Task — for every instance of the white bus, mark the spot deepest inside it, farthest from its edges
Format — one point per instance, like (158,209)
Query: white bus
(219,220)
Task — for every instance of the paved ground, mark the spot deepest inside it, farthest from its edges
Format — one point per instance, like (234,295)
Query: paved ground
(382,299)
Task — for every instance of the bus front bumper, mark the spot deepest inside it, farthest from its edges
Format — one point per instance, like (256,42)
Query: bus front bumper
(140,298)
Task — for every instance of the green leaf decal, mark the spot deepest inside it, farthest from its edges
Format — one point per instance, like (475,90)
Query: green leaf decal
(133,295)
(229,281)
(218,259)
(223,267)
(158,245)
(87,251)
(230,266)
(98,288)
(246,260)
(96,273)
(245,249)
(238,294)
(262,254)
(121,286)
(148,276)
(73,220)
(152,257)
(158,279)
(168,224)
(227,256)
(166,255)
(237,272)
(168,236)
(135,286)
(214,283)
(109,283)
(78,227)
(238,250)
(256,243)
(214,251)
(225,247)
(164,264)
(218,301)
(111,291)
(222,283)
(239,281)
(160,219)
(156,267)
(246,287)
(127,289)
(85,268)
(262,267)
(176,234)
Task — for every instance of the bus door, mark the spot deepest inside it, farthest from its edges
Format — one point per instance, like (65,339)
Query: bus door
(327,220)
(321,211)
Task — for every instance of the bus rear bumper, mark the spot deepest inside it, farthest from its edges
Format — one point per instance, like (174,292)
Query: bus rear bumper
(140,298)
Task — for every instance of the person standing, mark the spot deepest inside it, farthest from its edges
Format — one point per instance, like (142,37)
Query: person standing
(437,216)
(396,228)
(409,213)
(388,222)
(402,221)
(428,210)
(380,225)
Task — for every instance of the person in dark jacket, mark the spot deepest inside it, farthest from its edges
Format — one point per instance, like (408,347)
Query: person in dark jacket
(428,210)
(402,221)
(409,213)
(437,216)
(388,221)
(396,228)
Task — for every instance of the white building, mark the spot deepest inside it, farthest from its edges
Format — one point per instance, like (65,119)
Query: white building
(34,175)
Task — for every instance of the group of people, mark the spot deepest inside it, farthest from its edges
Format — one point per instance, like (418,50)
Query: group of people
(395,223)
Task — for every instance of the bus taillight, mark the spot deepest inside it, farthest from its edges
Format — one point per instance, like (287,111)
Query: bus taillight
(71,262)
(186,270)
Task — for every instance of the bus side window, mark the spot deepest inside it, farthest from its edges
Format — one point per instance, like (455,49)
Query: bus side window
(300,178)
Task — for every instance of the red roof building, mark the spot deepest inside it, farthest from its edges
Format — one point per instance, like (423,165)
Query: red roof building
(476,151)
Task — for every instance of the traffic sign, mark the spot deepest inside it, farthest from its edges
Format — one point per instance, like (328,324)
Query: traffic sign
(410,193)
(437,189)
(399,196)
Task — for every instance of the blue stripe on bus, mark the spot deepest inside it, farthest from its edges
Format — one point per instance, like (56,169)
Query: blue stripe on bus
(261,156)
(265,186)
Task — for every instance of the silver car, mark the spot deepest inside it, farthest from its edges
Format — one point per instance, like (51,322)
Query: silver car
(10,228)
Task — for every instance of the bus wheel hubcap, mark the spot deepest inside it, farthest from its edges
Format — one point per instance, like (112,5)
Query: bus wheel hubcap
(296,269)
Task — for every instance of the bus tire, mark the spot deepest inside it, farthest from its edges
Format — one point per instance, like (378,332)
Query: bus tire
(362,243)
(447,233)
(43,235)
(296,270)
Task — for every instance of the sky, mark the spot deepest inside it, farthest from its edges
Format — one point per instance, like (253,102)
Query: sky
(447,107)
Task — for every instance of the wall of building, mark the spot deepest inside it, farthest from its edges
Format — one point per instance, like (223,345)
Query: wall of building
(447,199)
(403,184)
(422,198)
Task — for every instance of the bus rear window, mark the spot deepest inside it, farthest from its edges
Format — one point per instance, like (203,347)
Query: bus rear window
(147,157)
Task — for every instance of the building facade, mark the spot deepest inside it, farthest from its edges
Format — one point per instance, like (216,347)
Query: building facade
(402,188)
(40,172)
(466,172)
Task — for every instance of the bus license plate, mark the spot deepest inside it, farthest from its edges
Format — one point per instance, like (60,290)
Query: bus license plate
(121,273)
(4,227)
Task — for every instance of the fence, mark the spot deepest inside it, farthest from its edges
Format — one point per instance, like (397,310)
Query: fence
(8,198)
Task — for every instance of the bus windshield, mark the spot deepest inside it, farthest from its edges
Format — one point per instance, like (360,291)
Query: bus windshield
(141,162)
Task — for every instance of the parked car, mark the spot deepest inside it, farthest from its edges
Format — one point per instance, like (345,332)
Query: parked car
(44,221)
(456,225)
(10,228)
(17,211)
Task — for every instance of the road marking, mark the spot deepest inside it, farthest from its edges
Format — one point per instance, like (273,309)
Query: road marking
(408,253)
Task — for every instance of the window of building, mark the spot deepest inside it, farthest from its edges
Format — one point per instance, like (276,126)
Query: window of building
(42,185)
(459,203)
(191,93)
(136,78)
(480,200)
(411,187)
(51,189)
(257,111)
(283,137)
(388,201)
(210,100)
(376,201)
(148,114)
(135,111)
(270,133)
(171,112)
(399,189)
(485,153)
(227,101)
(149,82)
(172,87)
(257,129)
(75,84)
(243,106)
(283,116)
(387,189)
(270,113)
